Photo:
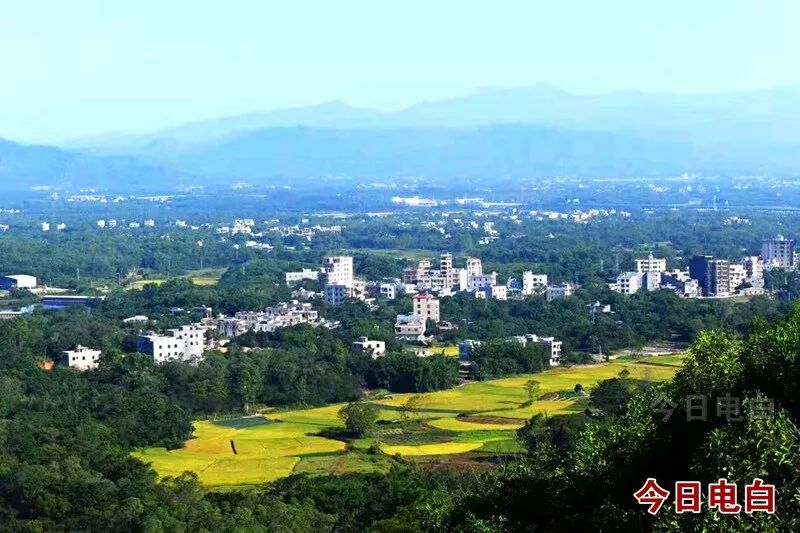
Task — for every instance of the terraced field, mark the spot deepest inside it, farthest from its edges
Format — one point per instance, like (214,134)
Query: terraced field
(477,418)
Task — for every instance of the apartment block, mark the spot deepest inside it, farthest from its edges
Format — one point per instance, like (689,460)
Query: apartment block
(426,306)
(651,264)
(563,290)
(778,253)
(532,283)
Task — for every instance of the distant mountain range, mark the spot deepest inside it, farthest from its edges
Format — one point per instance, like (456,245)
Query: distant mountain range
(525,132)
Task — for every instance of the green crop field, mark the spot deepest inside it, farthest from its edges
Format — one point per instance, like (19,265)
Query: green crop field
(201,278)
(479,417)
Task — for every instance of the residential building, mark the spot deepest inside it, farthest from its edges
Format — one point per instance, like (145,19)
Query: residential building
(194,338)
(498,292)
(446,269)
(388,290)
(363,344)
(293,278)
(426,306)
(338,270)
(532,283)
(553,346)
(651,264)
(474,266)
(738,275)
(18,281)
(271,319)
(754,267)
(563,290)
(162,348)
(410,327)
(82,358)
(713,275)
(415,274)
(700,269)
(336,294)
(627,283)
(778,253)
(482,282)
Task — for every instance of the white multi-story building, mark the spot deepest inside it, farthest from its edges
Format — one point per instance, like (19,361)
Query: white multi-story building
(651,264)
(474,266)
(194,339)
(82,358)
(388,290)
(293,278)
(754,268)
(482,282)
(162,348)
(627,283)
(338,270)
(281,316)
(363,344)
(563,290)
(426,306)
(447,272)
(737,275)
(553,346)
(532,282)
(498,292)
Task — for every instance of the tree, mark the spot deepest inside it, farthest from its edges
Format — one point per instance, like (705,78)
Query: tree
(532,389)
(611,396)
(359,417)
(412,408)
(246,380)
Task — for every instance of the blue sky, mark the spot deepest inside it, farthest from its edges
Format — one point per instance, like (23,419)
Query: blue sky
(80,67)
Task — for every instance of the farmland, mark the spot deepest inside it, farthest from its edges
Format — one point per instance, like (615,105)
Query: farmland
(472,420)
(201,278)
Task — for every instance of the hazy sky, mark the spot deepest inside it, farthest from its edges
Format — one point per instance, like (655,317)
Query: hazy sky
(81,67)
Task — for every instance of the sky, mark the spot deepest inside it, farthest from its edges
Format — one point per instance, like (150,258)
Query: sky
(84,68)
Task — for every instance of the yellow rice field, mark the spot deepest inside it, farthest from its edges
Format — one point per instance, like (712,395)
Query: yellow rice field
(290,441)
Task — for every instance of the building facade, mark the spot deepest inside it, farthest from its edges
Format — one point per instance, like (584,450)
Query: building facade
(363,344)
(778,253)
(426,306)
(82,358)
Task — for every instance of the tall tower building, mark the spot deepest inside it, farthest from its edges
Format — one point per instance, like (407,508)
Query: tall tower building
(778,253)
(339,270)
(446,268)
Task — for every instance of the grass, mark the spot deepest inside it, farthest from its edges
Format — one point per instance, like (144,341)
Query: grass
(289,441)
(201,278)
